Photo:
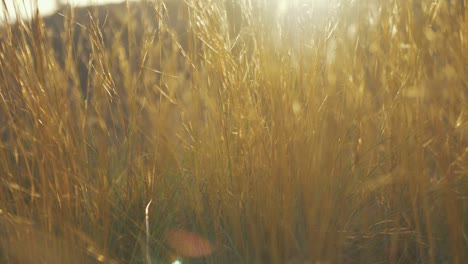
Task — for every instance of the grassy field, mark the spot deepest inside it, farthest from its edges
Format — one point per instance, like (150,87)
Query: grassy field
(280,131)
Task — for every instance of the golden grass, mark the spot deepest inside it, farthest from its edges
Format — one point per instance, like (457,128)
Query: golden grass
(313,135)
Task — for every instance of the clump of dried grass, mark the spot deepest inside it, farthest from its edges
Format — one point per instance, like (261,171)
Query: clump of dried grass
(280,131)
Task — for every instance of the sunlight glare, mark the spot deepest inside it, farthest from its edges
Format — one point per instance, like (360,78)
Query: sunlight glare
(291,7)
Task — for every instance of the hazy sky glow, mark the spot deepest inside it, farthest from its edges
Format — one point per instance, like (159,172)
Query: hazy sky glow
(26,7)
(45,6)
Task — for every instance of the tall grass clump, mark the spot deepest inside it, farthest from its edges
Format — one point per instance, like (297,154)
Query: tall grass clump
(280,131)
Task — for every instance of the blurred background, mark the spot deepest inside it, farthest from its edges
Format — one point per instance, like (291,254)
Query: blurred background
(46,7)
